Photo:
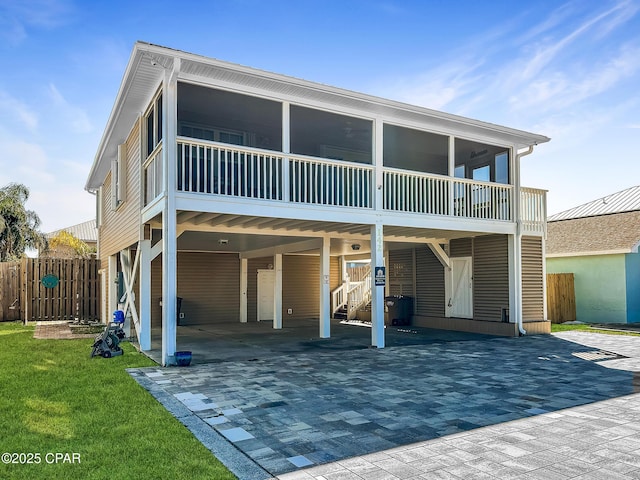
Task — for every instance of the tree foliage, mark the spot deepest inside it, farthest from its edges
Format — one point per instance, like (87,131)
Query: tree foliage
(66,245)
(18,226)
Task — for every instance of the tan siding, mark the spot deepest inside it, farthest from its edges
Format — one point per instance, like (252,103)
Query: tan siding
(401,272)
(490,277)
(461,247)
(300,287)
(334,267)
(532,279)
(209,284)
(429,284)
(120,228)
(156,292)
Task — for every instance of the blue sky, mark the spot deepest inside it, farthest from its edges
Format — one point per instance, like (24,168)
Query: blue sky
(568,70)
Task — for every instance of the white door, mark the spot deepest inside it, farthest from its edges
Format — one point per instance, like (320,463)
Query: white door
(460,303)
(266,282)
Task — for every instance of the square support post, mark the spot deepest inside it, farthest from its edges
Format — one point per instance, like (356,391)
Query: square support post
(377,291)
(145,295)
(244,272)
(277,294)
(325,293)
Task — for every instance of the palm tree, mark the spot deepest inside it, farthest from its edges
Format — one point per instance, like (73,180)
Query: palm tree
(18,226)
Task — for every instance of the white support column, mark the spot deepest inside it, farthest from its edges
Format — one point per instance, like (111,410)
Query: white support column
(544,277)
(377,292)
(515,280)
(277,294)
(169,219)
(244,275)
(325,292)
(145,295)
(452,171)
(378,146)
(286,148)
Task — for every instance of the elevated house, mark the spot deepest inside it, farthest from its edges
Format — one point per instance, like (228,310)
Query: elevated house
(598,242)
(241,195)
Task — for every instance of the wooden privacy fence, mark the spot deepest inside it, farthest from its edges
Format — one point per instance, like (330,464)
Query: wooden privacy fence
(10,287)
(561,297)
(51,289)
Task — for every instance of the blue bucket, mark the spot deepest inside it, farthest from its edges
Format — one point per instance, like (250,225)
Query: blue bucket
(183,359)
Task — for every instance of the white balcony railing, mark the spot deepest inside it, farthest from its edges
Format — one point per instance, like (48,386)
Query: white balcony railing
(222,169)
(153,179)
(533,210)
(439,195)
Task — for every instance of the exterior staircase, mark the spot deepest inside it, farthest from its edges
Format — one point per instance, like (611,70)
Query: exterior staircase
(352,295)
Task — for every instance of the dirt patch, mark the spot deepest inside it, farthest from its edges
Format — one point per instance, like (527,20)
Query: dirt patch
(62,331)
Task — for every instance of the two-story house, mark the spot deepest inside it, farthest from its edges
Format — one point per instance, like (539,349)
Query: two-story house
(242,195)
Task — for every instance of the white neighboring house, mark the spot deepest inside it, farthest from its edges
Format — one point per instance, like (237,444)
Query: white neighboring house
(245,193)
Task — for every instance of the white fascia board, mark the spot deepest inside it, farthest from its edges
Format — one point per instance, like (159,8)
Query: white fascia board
(621,251)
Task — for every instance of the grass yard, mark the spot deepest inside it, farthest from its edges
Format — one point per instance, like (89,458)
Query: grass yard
(54,399)
(559,327)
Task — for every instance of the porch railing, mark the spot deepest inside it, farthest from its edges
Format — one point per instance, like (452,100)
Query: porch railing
(223,169)
(209,167)
(438,195)
(153,178)
(533,210)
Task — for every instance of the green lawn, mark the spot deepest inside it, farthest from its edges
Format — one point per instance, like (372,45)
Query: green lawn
(559,327)
(55,399)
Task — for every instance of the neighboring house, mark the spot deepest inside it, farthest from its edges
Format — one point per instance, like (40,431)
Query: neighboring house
(85,231)
(247,193)
(598,242)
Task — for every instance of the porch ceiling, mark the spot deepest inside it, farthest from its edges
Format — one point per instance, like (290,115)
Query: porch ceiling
(232,233)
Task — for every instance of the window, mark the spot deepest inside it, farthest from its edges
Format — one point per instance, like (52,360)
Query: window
(502,168)
(481,161)
(415,150)
(329,135)
(118,177)
(154,124)
(482,173)
(227,117)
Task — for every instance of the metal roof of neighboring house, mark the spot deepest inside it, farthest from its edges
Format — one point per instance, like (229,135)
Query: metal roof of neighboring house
(85,231)
(595,235)
(625,201)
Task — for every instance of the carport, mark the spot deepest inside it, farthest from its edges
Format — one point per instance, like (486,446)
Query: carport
(231,341)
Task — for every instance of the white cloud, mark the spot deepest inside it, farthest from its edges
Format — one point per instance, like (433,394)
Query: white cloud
(14,110)
(75,116)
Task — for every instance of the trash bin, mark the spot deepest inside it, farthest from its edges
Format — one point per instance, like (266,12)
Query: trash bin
(178,309)
(399,310)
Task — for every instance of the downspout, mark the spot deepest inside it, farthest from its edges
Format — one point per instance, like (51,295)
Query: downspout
(518,253)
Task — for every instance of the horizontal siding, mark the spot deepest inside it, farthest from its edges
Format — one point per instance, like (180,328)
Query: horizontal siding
(209,284)
(156,292)
(400,272)
(300,287)
(461,247)
(120,229)
(532,279)
(430,299)
(490,277)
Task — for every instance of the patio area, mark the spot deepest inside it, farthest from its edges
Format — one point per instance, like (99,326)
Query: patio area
(304,402)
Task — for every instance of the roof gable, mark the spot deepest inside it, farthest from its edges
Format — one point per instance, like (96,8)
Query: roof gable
(149,63)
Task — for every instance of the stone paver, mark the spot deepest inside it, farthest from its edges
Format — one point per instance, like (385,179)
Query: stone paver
(529,407)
